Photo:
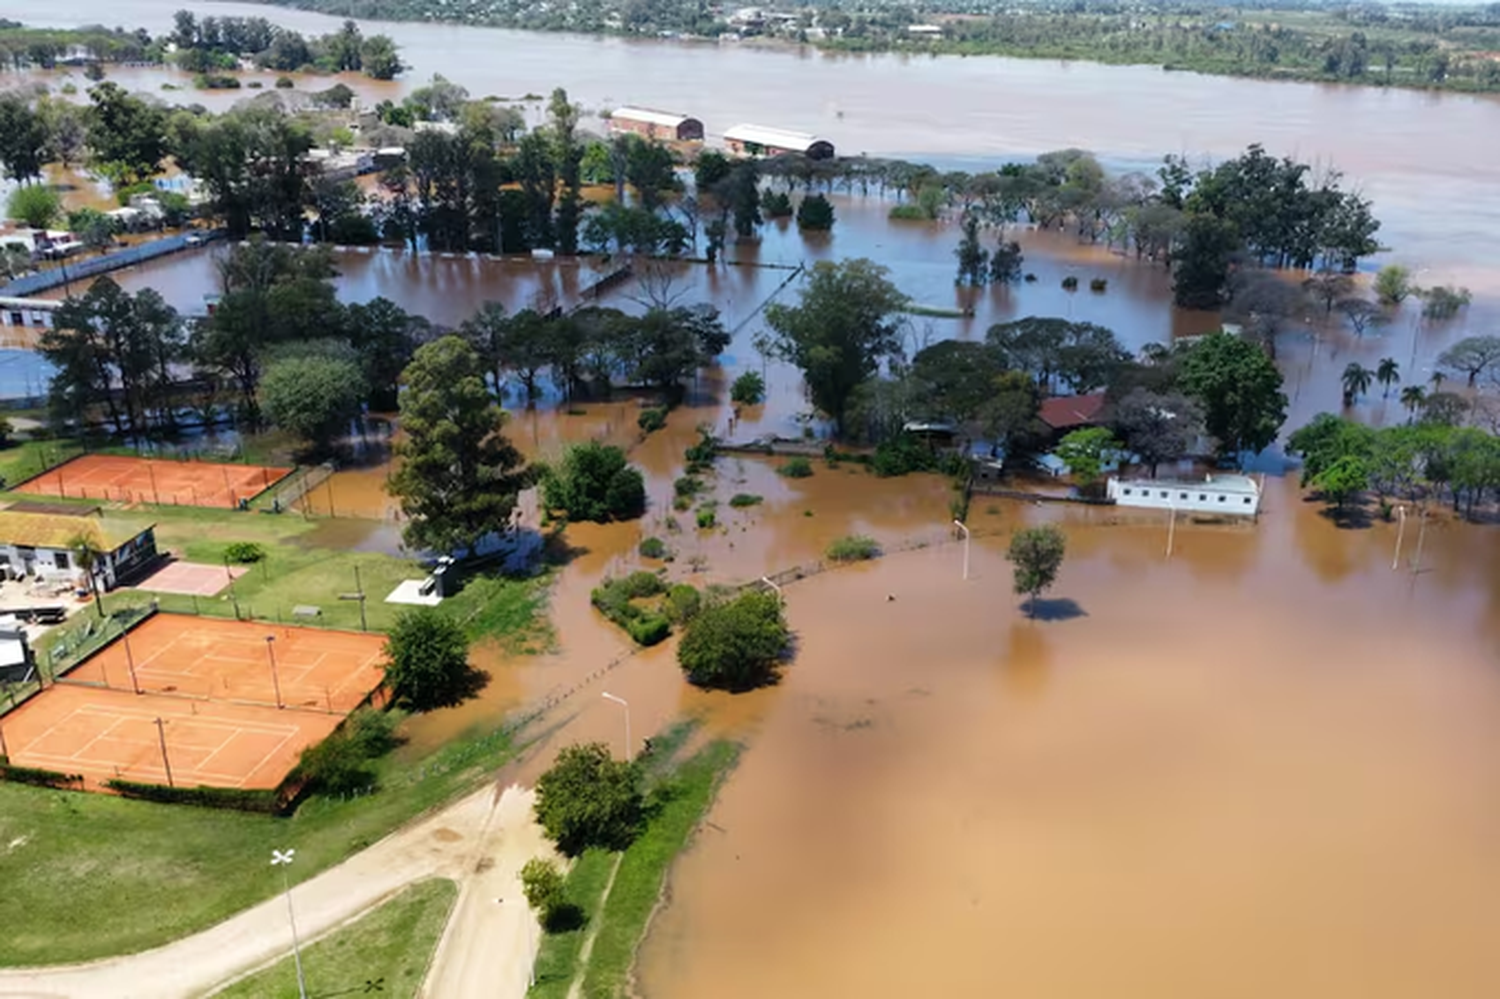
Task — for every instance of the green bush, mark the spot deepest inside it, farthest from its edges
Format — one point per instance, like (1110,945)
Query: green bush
(688,485)
(705,451)
(340,764)
(1098,284)
(902,455)
(853,548)
(683,603)
(244,552)
(749,389)
(652,420)
(653,548)
(615,599)
(680,503)
(706,517)
(776,204)
(744,499)
(908,213)
(796,468)
(594,482)
(542,884)
(815,214)
(1070,283)
(735,645)
(285,83)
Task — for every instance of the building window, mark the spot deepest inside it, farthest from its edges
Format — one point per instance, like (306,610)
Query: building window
(1202,497)
(1182,495)
(61,560)
(1127,491)
(1247,500)
(1221,499)
(1163,494)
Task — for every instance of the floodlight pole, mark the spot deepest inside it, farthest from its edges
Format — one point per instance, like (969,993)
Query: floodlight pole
(626,705)
(1171,530)
(1400,533)
(161,734)
(275,680)
(1416,565)
(960,525)
(129,658)
(283,859)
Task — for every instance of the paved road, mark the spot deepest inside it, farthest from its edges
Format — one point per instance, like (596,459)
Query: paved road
(480,841)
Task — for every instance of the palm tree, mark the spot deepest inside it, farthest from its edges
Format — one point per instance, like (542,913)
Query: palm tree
(1412,398)
(1387,373)
(1356,379)
(86,551)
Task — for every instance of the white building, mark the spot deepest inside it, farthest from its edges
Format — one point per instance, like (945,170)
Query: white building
(46,546)
(1221,495)
(758,140)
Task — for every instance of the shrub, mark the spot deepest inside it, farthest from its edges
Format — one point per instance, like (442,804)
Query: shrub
(285,83)
(902,455)
(853,548)
(735,645)
(776,204)
(908,213)
(652,420)
(683,603)
(653,548)
(587,798)
(542,884)
(744,499)
(703,452)
(1098,284)
(688,485)
(615,599)
(335,766)
(594,482)
(706,517)
(815,214)
(796,468)
(244,552)
(681,503)
(1070,283)
(38,777)
(749,389)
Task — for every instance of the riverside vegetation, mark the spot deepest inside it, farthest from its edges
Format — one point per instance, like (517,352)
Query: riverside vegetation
(1380,44)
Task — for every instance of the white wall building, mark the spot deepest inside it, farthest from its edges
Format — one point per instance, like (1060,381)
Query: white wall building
(1219,495)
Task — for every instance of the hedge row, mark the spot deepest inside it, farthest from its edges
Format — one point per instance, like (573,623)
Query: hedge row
(38,777)
(237,799)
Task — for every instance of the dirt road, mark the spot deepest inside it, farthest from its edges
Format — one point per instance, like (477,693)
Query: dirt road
(480,841)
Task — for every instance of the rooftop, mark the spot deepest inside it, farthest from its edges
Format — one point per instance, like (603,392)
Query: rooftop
(650,117)
(1238,485)
(57,531)
(760,135)
(1065,411)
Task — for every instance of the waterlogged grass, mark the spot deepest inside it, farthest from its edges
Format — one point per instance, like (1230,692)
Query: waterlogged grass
(683,793)
(91,875)
(853,548)
(385,952)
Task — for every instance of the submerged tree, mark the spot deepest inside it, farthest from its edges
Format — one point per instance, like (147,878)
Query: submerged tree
(1036,553)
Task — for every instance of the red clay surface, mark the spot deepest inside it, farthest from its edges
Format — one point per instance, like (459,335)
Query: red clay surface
(191,578)
(153,480)
(210,682)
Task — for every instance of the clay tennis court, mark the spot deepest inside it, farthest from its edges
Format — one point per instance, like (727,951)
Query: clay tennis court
(211,683)
(154,480)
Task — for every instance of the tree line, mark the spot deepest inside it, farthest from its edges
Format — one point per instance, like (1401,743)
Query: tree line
(279,344)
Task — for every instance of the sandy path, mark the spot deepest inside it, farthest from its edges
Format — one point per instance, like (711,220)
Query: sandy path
(480,841)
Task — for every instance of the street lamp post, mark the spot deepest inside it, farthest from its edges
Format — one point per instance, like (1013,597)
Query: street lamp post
(283,859)
(275,680)
(1416,565)
(960,525)
(1171,530)
(1400,533)
(626,705)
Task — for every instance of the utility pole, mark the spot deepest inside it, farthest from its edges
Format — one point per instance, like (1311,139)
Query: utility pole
(960,525)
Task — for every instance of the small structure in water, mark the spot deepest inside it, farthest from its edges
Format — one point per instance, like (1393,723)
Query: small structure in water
(1218,495)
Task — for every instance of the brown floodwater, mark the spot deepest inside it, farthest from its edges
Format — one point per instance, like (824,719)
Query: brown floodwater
(1428,160)
(1264,767)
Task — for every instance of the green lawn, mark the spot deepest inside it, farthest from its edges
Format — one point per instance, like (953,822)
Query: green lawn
(92,875)
(683,793)
(385,952)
